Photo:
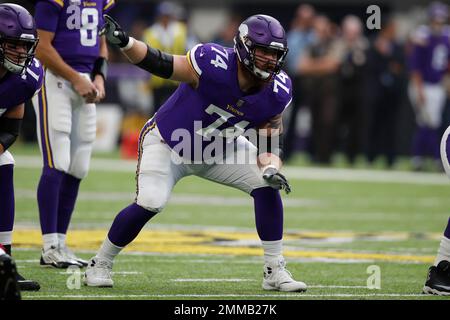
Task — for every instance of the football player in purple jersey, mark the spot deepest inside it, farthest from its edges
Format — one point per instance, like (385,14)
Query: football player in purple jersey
(21,77)
(438,280)
(429,62)
(223,92)
(74,56)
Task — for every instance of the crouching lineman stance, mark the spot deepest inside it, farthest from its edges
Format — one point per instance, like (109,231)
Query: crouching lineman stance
(222,90)
(438,280)
(74,56)
(20,78)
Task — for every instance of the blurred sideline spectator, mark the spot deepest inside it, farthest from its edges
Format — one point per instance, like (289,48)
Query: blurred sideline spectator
(429,63)
(319,67)
(226,36)
(385,71)
(167,34)
(299,38)
(353,46)
(329,124)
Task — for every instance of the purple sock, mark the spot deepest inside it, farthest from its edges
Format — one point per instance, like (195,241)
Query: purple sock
(67,198)
(419,142)
(268,213)
(128,223)
(434,142)
(447,230)
(48,199)
(427,142)
(6,198)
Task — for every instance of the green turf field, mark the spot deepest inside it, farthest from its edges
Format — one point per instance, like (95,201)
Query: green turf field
(204,245)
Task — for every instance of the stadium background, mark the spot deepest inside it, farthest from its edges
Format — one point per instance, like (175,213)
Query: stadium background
(338,221)
(207,19)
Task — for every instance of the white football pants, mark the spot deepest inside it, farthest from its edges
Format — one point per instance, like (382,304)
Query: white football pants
(430,114)
(157,172)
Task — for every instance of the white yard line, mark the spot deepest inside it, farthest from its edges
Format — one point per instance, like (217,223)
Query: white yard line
(298,295)
(254,280)
(309,173)
(337,287)
(118,273)
(176,199)
(212,280)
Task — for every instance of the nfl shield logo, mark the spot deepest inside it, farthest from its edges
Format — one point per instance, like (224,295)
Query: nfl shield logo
(445,151)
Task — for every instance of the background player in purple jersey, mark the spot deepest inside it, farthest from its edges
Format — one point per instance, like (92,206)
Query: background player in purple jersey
(74,56)
(438,280)
(429,63)
(20,78)
(223,92)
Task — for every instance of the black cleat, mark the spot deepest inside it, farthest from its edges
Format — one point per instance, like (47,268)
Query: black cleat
(9,288)
(27,285)
(438,280)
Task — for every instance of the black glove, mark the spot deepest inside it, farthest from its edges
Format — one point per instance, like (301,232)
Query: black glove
(276,180)
(114,33)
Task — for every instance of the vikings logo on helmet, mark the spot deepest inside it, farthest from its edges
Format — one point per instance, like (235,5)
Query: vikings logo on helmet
(445,151)
(261,31)
(18,38)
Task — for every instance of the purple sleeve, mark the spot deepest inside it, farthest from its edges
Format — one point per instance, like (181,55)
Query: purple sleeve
(47,15)
(282,89)
(35,79)
(209,61)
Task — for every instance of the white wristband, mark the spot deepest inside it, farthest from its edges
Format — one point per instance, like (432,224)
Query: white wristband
(269,166)
(129,45)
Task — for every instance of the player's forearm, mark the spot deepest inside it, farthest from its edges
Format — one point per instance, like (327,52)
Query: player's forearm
(156,62)
(266,160)
(10,124)
(164,65)
(137,52)
(51,59)
(269,150)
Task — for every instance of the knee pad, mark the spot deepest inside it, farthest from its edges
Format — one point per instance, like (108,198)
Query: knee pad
(60,151)
(6,158)
(152,196)
(80,162)
(154,202)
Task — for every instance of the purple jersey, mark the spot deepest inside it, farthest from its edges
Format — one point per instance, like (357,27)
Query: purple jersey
(431,54)
(218,105)
(16,89)
(76,24)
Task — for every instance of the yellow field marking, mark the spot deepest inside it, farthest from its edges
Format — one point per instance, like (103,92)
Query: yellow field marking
(205,242)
